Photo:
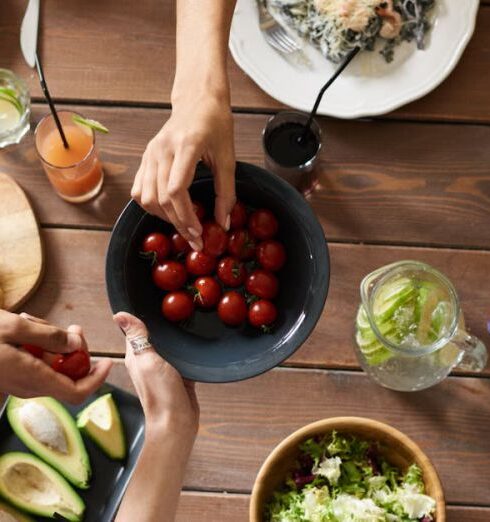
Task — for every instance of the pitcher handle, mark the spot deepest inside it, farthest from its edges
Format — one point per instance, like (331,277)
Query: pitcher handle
(475,355)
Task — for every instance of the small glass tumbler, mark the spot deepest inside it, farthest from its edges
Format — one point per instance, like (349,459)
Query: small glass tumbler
(75,173)
(15,108)
(287,153)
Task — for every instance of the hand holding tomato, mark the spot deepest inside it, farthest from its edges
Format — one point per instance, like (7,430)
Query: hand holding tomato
(24,374)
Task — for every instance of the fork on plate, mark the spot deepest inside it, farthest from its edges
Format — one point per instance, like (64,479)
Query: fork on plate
(275,34)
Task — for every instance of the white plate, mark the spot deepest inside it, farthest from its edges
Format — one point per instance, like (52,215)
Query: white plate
(369,86)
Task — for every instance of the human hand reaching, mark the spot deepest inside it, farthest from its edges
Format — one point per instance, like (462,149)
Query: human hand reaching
(200,128)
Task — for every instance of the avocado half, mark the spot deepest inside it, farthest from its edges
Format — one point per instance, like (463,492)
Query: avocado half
(33,486)
(48,430)
(9,513)
(101,421)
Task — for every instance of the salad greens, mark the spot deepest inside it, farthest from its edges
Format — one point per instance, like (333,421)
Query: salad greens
(341,478)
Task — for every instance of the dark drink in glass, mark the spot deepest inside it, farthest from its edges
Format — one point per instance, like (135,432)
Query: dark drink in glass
(290,149)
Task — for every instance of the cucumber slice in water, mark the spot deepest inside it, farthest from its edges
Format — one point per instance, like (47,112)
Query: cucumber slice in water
(391,297)
(430,313)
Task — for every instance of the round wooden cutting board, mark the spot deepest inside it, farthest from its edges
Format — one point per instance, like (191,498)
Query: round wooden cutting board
(21,253)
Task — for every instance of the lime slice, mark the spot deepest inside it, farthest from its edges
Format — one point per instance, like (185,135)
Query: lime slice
(11,96)
(93,124)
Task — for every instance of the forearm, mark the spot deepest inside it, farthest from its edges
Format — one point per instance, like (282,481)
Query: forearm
(154,490)
(203,29)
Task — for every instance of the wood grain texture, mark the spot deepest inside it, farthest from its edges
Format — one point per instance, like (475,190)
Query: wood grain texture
(75,37)
(214,507)
(378,181)
(73,290)
(21,252)
(242,422)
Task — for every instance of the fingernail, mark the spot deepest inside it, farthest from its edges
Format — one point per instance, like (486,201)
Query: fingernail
(74,341)
(196,245)
(227,222)
(193,232)
(121,321)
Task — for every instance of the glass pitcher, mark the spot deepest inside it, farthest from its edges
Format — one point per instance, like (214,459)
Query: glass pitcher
(410,330)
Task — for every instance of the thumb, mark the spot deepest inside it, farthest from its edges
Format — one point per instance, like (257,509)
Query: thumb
(224,187)
(130,325)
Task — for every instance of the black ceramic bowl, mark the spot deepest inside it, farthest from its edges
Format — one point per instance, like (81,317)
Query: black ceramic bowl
(206,350)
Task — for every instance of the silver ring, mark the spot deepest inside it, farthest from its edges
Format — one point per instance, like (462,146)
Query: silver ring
(140,344)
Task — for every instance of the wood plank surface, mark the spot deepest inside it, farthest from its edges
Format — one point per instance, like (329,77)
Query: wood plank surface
(242,422)
(75,37)
(73,290)
(214,507)
(378,181)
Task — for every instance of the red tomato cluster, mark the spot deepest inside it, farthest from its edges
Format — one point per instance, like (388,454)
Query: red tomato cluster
(233,274)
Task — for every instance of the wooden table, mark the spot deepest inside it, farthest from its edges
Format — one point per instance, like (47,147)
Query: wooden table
(412,184)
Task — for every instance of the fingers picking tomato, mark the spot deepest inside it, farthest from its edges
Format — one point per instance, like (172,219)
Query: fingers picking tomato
(169,275)
(35,351)
(262,314)
(232,272)
(177,306)
(238,216)
(241,245)
(263,224)
(207,292)
(263,284)
(232,309)
(157,246)
(199,209)
(271,255)
(200,263)
(215,239)
(75,365)
(180,245)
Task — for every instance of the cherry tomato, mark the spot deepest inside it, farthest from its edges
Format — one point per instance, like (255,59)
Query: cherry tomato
(263,284)
(271,255)
(238,216)
(157,245)
(215,239)
(207,292)
(232,309)
(232,272)
(179,244)
(75,365)
(200,263)
(177,306)
(199,210)
(169,276)
(241,245)
(263,224)
(35,351)
(262,314)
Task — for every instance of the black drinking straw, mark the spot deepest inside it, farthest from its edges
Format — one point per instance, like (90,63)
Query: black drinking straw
(335,75)
(44,87)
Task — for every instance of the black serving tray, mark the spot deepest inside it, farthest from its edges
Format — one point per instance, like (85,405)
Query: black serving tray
(110,478)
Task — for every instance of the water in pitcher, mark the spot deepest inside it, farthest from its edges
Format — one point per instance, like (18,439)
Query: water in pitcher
(411,311)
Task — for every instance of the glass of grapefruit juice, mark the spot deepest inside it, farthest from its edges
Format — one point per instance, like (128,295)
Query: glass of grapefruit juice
(75,173)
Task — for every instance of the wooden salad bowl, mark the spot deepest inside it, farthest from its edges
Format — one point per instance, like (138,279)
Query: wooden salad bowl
(396,447)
